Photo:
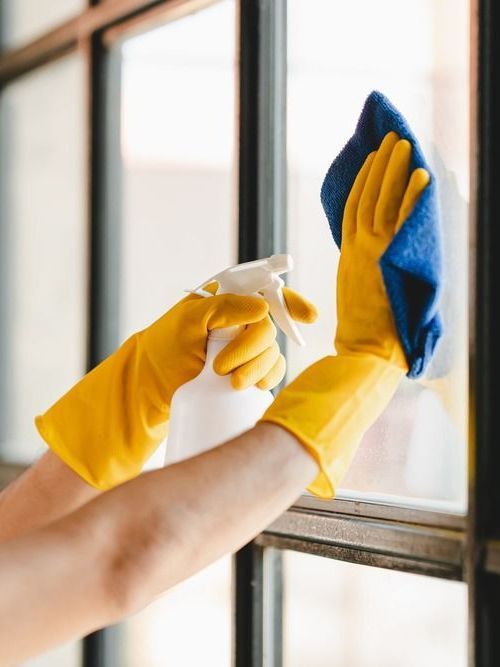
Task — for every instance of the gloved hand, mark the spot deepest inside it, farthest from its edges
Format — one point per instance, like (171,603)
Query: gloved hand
(379,202)
(332,403)
(110,422)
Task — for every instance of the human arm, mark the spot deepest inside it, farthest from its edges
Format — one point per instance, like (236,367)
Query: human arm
(330,406)
(118,552)
(148,534)
(98,437)
(45,492)
(107,425)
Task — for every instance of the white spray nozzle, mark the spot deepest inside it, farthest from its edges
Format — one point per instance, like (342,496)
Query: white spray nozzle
(280,263)
(260,276)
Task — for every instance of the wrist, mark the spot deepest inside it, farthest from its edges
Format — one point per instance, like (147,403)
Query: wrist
(389,350)
(330,406)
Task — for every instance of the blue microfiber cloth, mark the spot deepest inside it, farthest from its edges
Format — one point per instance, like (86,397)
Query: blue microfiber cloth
(412,264)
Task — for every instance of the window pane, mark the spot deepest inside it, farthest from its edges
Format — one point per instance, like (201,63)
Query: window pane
(69,655)
(342,614)
(189,625)
(43,249)
(24,20)
(178,228)
(417,448)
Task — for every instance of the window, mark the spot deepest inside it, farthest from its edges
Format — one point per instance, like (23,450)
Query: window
(43,258)
(23,20)
(417,450)
(357,615)
(43,248)
(134,106)
(177,212)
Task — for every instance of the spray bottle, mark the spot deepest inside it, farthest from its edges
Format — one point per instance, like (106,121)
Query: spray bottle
(207,411)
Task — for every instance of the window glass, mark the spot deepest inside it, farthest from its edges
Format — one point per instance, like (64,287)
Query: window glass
(24,20)
(178,228)
(189,625)
(43,249)
(416,54)
(69,655)
(338,613)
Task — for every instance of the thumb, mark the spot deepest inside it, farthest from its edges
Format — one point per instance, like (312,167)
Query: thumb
(300,308)
(229,310)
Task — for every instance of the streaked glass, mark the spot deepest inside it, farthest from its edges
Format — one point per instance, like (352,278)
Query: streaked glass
(417,54)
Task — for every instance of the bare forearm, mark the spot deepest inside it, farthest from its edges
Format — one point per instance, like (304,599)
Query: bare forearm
(214,503)
(115,554)
(47,491)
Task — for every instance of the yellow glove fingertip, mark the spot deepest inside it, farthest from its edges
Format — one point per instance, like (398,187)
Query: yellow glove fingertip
(227,310)
(275,375)
(390,137)
(239,382)
(403,146)
(400,158)
(300,308)
(222,365)
(419,180)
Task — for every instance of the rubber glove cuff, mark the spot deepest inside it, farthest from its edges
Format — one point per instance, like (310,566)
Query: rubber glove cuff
(330,406)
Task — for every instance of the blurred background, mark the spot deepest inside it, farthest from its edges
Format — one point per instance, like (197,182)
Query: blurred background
(171,202)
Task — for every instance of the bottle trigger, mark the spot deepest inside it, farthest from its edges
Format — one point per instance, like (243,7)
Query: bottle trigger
(279,311)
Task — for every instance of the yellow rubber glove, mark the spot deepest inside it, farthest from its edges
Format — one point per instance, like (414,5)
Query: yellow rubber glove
(110,422)
(332,403)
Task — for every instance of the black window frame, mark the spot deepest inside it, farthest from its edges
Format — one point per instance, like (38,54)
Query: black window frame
(396,537)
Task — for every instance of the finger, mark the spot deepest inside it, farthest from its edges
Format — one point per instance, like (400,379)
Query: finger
(351,205)
(371,191)
(229,310)
(300,309)
(247,345)
(419,180)
(275,375)
(393,189)
(257,369)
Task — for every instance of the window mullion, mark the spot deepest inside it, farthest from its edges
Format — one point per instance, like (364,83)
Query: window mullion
(102,648)
(484,498)
(262,206)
